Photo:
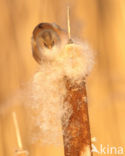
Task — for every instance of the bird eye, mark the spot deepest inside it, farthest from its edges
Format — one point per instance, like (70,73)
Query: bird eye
(45,44)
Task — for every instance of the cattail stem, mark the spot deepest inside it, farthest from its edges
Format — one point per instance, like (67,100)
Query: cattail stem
(77,138)
(20,151)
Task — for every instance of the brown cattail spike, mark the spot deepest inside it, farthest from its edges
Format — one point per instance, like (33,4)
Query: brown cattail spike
(77,138)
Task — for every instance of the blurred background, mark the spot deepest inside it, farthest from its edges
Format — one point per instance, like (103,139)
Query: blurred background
(102,24)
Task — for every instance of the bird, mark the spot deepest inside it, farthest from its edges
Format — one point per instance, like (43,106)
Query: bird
(46,36)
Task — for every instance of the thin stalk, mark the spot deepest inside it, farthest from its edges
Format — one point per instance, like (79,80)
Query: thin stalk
(68,25)
(20,151)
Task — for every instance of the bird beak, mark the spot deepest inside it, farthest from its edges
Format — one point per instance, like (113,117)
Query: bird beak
(49,46)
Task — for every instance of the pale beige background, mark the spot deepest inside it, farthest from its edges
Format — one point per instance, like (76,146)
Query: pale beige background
(102,23)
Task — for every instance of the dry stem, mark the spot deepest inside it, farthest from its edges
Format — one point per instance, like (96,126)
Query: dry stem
(20,151)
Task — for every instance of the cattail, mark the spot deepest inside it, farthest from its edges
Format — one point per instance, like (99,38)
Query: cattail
(77,133)
(77,137)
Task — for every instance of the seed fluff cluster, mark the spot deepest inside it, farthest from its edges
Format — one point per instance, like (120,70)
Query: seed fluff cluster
(48,92)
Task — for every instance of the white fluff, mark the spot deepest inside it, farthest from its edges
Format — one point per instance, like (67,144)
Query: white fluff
(48,89)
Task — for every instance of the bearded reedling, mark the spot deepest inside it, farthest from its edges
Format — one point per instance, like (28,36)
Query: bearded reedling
(20,151)
(74,62)
(46,36)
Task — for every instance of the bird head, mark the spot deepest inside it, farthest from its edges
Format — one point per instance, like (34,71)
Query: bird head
(46,36)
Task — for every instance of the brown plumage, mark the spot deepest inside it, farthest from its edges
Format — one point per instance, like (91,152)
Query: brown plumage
(46,35)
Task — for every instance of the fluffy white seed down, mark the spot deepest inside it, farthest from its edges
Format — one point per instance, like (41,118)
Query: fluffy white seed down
(48,89)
